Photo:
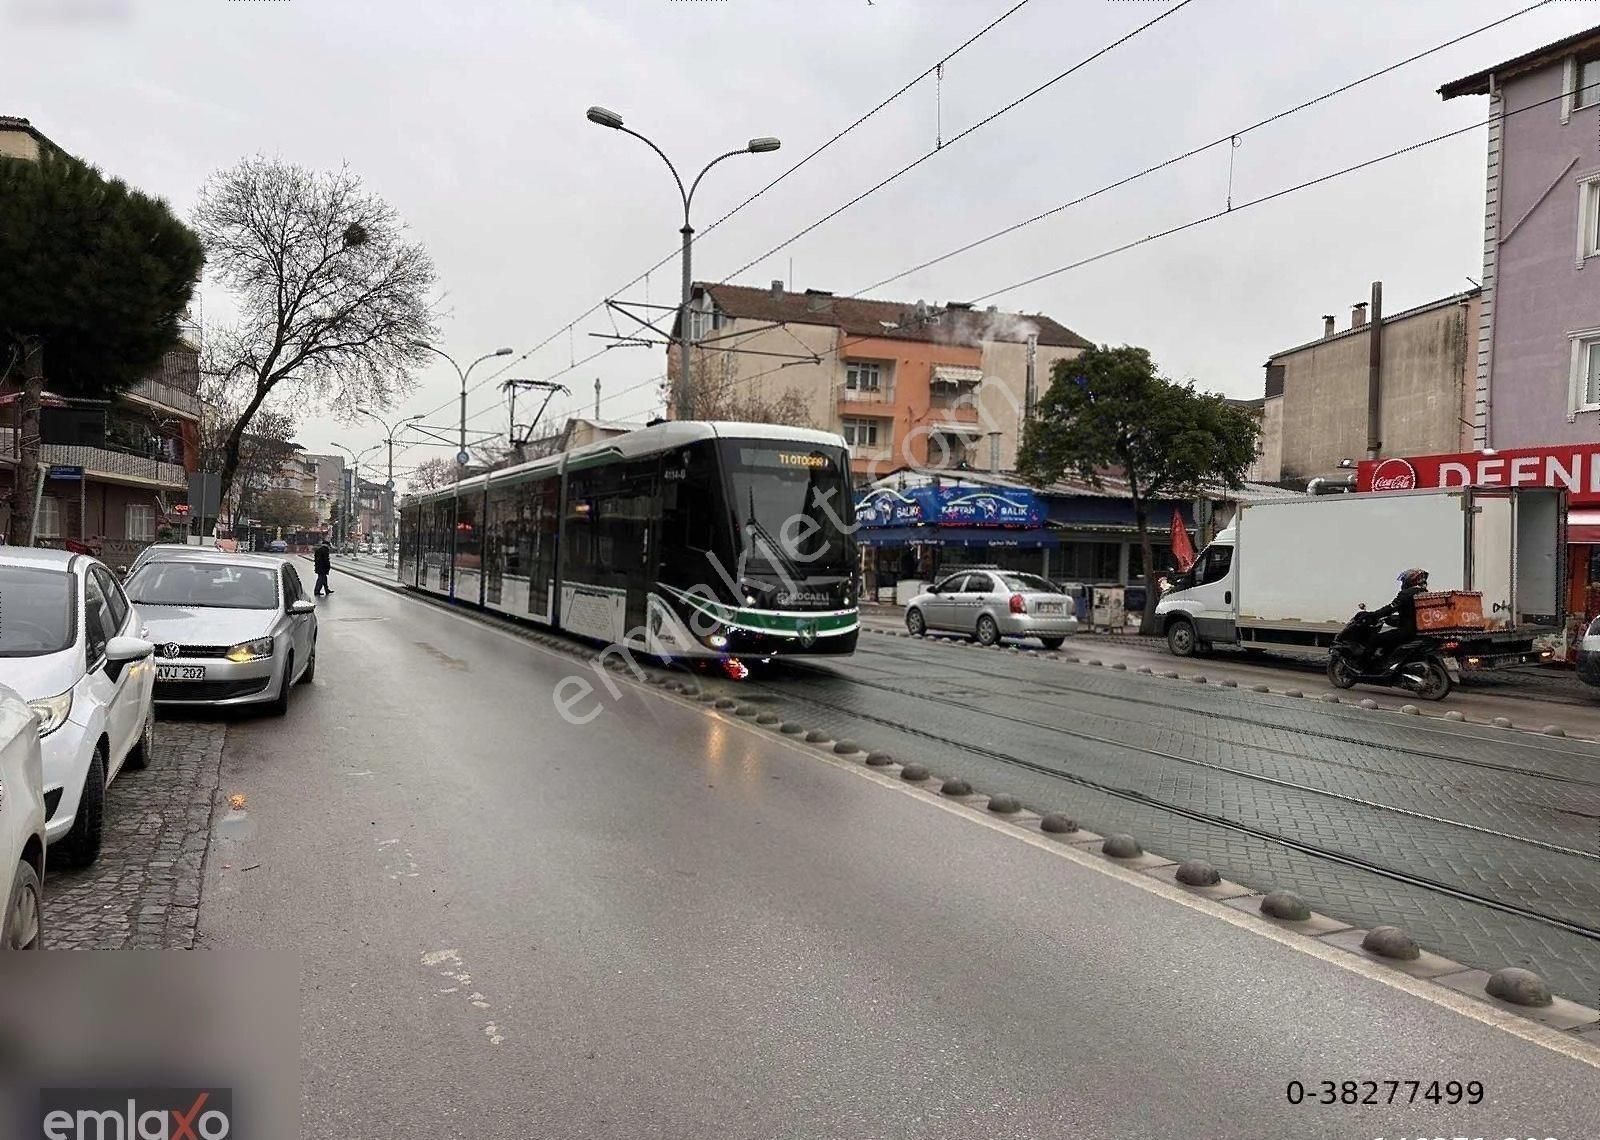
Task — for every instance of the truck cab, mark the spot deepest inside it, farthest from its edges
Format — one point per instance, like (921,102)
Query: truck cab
(1200,609)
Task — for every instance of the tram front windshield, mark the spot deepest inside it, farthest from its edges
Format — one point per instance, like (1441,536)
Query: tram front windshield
(792,503)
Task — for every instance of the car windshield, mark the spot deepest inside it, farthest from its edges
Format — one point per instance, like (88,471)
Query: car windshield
(793,506)
(205,585)
(36,612)
(1029,582)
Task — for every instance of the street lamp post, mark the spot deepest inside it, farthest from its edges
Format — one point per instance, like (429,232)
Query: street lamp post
(355,478)
(683,397)
(461,456)
(389,432)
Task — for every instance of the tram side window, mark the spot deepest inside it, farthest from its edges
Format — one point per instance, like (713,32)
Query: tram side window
(578,530)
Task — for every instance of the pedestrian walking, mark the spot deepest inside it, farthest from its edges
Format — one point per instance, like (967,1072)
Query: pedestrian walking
(322,559)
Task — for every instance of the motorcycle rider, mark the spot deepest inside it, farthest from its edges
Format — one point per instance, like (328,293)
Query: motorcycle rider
(1401,614)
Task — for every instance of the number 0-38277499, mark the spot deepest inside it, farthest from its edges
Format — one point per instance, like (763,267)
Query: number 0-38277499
(1385,1092)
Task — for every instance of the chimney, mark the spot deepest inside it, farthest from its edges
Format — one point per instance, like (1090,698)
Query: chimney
(817,300)
(1327,324)
(1358,315)
(777,290)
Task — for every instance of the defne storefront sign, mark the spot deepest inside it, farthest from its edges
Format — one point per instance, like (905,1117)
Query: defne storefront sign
(1573,468)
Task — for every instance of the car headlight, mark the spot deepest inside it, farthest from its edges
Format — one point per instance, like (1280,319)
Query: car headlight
(250,650)
(52,711)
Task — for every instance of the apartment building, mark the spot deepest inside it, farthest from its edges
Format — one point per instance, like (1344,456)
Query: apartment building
(906,384)
(114,472)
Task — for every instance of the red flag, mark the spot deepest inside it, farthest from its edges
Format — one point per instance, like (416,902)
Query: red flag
(1182,548)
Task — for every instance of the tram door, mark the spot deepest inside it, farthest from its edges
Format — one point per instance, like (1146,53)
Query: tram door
(542,501)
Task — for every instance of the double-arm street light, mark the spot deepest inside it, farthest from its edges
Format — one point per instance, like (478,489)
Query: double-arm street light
(462,455)
(682,396)
(355,480)
(389,432)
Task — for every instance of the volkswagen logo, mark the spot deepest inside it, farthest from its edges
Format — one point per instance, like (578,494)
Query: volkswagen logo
(808,633)
(171,649)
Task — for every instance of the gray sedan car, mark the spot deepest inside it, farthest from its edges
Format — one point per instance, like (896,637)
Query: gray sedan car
(989,603)
(235,629)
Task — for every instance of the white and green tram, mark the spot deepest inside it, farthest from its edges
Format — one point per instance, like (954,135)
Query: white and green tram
(684,539)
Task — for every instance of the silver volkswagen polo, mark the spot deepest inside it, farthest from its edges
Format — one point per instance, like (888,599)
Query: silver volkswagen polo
(234,629)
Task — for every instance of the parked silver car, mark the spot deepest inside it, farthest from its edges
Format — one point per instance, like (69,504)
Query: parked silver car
(989,603)
(232,629)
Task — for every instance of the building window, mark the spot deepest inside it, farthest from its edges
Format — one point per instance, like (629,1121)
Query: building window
(49,522)
(863,376)
(1588,219)
(1588,87)
(861,433)
(1586,372)
(141,522)
(702,322)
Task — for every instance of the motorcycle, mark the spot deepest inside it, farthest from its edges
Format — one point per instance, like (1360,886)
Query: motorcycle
(1423,666)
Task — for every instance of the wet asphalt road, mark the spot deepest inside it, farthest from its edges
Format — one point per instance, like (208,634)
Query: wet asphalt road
(666,922)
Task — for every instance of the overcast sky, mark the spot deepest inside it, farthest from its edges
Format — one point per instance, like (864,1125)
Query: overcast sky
(468,116)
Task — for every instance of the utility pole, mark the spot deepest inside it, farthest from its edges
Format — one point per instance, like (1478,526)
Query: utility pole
(597,397)
(389,432)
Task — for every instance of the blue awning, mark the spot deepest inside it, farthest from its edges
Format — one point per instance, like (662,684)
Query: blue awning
(1029,537)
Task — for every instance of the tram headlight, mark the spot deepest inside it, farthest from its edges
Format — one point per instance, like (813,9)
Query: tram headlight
(717,641)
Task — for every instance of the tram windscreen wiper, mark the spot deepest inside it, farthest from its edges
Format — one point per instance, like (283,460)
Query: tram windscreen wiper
(772,547)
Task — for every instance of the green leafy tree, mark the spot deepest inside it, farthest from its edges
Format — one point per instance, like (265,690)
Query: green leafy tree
(1109,411)
(95,278)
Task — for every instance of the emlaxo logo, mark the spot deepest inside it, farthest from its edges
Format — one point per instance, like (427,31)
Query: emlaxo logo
(136,1114)
(1394,475)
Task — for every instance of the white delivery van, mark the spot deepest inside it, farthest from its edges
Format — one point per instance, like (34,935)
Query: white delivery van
(1288,573)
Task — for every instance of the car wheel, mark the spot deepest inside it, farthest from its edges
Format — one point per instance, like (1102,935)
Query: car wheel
(280,703)
(24,917)
(988,632)
(916,623)
(1053,642)
(80,847)
(311,666)
(1181,638)
(145,750)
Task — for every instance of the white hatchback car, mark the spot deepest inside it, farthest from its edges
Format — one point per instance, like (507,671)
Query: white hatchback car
(22,840)
(73,647)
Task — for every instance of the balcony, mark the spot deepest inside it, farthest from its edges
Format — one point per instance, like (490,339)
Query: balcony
(101,462)
(881,396)
(164,395)
(117,466)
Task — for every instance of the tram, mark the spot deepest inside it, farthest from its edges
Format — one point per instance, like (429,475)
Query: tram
(685,540)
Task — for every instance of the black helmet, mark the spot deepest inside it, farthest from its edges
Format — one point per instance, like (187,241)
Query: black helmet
(1413,577)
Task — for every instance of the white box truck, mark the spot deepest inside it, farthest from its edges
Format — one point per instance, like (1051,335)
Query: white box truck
(1287,574)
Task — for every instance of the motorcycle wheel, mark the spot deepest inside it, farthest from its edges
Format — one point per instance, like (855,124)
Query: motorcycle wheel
(1340,675)
(1436,683)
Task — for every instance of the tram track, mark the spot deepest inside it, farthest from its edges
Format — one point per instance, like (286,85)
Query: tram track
(1446,757)
(1133,795)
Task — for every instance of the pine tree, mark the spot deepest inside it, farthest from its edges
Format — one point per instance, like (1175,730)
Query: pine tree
(96,280)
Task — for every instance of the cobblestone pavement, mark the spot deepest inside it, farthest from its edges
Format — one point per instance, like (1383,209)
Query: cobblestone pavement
(144,891)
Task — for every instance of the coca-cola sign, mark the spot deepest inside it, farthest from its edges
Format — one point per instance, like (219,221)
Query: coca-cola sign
(1574,468)
(1394,475)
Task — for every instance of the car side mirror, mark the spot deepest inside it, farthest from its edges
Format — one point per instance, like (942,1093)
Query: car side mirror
(123,649)
(303,606)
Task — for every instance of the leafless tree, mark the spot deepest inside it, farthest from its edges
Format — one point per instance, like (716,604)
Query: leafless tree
(431,474)
(332,295)
(720,394)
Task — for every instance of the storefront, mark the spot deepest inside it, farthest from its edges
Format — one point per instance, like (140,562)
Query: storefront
(918,533)
(1574,468)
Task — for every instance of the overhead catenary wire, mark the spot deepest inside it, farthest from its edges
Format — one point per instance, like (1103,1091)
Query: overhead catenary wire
(1232,138)
(835,138)
(1188,225)
(979,125)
